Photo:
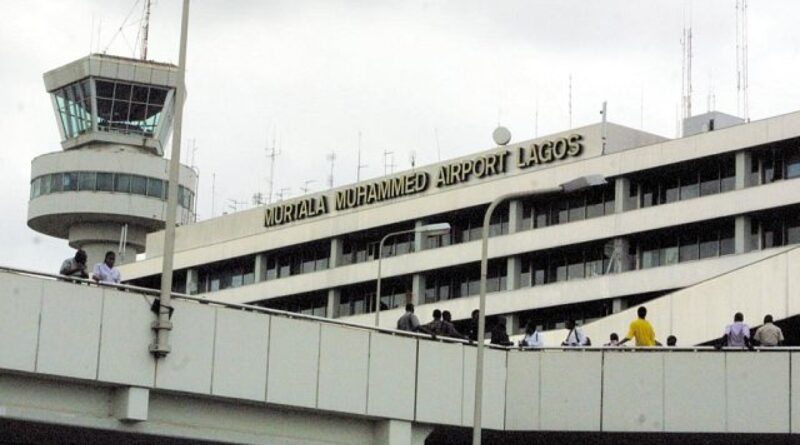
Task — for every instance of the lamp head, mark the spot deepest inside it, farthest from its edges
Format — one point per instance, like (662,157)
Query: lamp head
(582,183)
(435,229)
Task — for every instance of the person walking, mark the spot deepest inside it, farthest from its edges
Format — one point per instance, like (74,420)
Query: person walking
(75,266)
(769,334)
(105,272)
(408,321)
(641,330)
(737,334)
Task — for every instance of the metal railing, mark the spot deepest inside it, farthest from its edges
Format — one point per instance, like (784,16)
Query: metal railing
(154,293)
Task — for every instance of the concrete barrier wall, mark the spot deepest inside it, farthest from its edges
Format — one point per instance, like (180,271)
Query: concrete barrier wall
(91,334)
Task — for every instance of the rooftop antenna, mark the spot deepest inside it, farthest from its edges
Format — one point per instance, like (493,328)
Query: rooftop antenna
(388,162)
(686,65)
(360,166)
(145,29)
(412,158)
(570,100)
(536,119)
(306,185)
(742,81)
(641,108)
(283,193)
(234,204)
(712,98)
(193,153)
(331,158)
(258,199)
(272,152)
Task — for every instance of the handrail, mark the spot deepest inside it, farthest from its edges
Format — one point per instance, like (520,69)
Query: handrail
(248,307)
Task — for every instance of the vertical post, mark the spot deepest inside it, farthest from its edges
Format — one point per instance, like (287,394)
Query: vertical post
(378,289)
(162,327)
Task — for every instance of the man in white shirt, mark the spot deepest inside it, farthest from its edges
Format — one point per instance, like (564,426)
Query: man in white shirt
(105,272)
(737,334)
(532,337)
(575,336)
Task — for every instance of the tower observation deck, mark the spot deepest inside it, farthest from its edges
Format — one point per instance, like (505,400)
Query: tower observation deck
(107,187)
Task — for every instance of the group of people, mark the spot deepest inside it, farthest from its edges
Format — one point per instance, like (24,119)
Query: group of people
(103,272)
(736,334)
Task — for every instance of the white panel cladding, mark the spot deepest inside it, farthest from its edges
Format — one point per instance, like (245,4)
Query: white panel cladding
(20,304)
(694,392)
(494,388)
(793,283)
(392,376)
(293,362)
(633,391)
(439,382)
(240,354)
(69,335)
(522,390)
(124,354)
(757,399)
(794,385)
(570,391)
(343,369)
(188,366)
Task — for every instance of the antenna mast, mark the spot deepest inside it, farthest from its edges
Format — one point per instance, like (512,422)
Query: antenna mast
(388,162)
(686,67)
(145,28)
(271,154)
(360,166)
(331,157)
(742,81)
(570,101)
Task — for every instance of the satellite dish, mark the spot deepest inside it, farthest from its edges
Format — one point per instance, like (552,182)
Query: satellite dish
(501,136)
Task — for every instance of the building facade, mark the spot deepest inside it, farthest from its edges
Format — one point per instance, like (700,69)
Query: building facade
(673,213)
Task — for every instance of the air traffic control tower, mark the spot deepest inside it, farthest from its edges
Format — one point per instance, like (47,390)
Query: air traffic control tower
(107,187)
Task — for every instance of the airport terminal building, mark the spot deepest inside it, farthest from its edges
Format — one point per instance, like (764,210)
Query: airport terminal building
(674,212)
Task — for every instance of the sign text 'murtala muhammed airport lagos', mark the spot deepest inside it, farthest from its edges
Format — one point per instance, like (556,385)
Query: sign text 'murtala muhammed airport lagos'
(456,172)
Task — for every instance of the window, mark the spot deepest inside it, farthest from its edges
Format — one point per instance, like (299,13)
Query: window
(70,181)
(155,188)
(138,185)
(87,181)
(122,183)
(56,182)
(105,182)
(128,108)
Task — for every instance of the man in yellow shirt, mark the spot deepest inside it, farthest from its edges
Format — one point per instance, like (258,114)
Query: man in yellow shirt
(642,330)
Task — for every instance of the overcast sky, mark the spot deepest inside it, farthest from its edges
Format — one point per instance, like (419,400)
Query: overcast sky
(314,74)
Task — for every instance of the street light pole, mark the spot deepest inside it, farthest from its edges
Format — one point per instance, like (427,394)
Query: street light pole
(574,185)
(160,348)
(429,230)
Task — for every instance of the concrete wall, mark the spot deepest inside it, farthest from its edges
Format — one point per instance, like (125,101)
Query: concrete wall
(98,338)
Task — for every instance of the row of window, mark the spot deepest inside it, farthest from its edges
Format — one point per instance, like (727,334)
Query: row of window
(225,274)
(689,243)
(125,107)
(108,182)
(314,303)
(457,282)
(358,250)
(296,261)
(684,181)
(598,201)
(360,298)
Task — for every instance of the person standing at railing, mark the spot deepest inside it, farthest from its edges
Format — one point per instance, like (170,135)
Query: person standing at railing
(75,266)
(737,334)
(105,272)
(532,337)
(641,330)
(769,334)
(449,329)
(472,331)
(408,321)
(435,327)
(500,335)
(575,337)
(613,340)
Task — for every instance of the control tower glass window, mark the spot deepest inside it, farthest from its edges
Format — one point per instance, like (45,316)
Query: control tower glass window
(74,106)
(129,108)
